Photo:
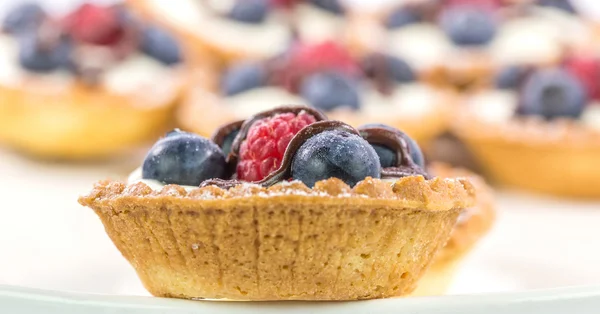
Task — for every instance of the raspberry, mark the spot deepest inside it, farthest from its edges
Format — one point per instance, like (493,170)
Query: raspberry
(308,59)
(587,70)
(95,25)
(262,151)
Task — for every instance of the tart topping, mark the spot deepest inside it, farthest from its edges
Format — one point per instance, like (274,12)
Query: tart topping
(185,159)
(564,5)
(511,77)
(552,93)
(333,6)
(403,16)
(262,151)
(587,70)
(283,144)
(160,45)
(242,77)
(384,67)
(330,90)
(468,25)
(23,17)
(250,11)
(95,24)
(45,51)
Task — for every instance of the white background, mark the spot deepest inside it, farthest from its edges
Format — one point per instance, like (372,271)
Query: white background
(48,241)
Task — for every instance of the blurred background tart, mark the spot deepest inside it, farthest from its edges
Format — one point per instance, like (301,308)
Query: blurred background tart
(538,128)
(377,87)
(231,30)
(460,42)
(87,84)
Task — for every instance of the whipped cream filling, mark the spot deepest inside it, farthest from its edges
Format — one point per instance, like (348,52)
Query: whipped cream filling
(138,73)
(265,39)
(498,106)
(410,100)
(317,25)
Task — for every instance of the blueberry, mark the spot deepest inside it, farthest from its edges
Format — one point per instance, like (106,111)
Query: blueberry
(242,77)
(330,90)
(552,93)
(250,11)
(467,26)
(401,17)
(337,154)
(387,157)
(564,5)
(332,6)
(393,66)
(413,148)
(511,77)
(184,159)
(227,141)
(23,17)
(44,57)
(160,45)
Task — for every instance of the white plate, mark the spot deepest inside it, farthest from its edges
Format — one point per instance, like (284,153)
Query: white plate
(559,301)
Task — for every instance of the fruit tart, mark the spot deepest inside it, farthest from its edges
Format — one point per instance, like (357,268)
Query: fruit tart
(538,128)
(300,208)
(233,30)
(461,42)
(378,88)
(85,85)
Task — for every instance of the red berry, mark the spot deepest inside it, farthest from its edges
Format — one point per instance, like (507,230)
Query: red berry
(262,151)
(587,70)
(284,3)
(304,60)
(95,25)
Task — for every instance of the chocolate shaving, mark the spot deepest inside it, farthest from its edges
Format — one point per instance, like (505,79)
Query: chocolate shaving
(223,184)
(395,141)
(221,133)
(376,67)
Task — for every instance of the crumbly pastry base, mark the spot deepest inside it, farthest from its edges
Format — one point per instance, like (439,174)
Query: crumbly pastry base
(467,232)
(78,122)
(202,111)
(286,242)
(558,157)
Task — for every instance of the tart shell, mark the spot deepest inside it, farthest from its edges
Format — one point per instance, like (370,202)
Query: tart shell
(79,122)
(286,242)
(551,157)
(473,224)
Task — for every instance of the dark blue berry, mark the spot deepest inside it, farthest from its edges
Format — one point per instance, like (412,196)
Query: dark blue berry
(468,26)
(242,77)
(413,148)
(44,57)
(160,45)
(332,6)
(330,90)
(227,141)
(552,93)
(250,11)
(338,154)
(401,17)
(390,66)
(511,77)
(564,5)
(387,157)
(184,159)
(23,17)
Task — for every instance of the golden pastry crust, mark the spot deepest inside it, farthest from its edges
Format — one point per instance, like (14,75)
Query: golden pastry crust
(203,110)
(286,242)
(473,224)
(80,122)
(555,157)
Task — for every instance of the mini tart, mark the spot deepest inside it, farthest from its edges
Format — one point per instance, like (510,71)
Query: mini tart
(424,113)
(538,37)
(473,224)
(556,157)
(286,242)
(67,114)
(219,39)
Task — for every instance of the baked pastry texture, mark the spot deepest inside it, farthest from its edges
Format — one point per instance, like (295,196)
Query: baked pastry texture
(472,225)
(328,234)
(86,85)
